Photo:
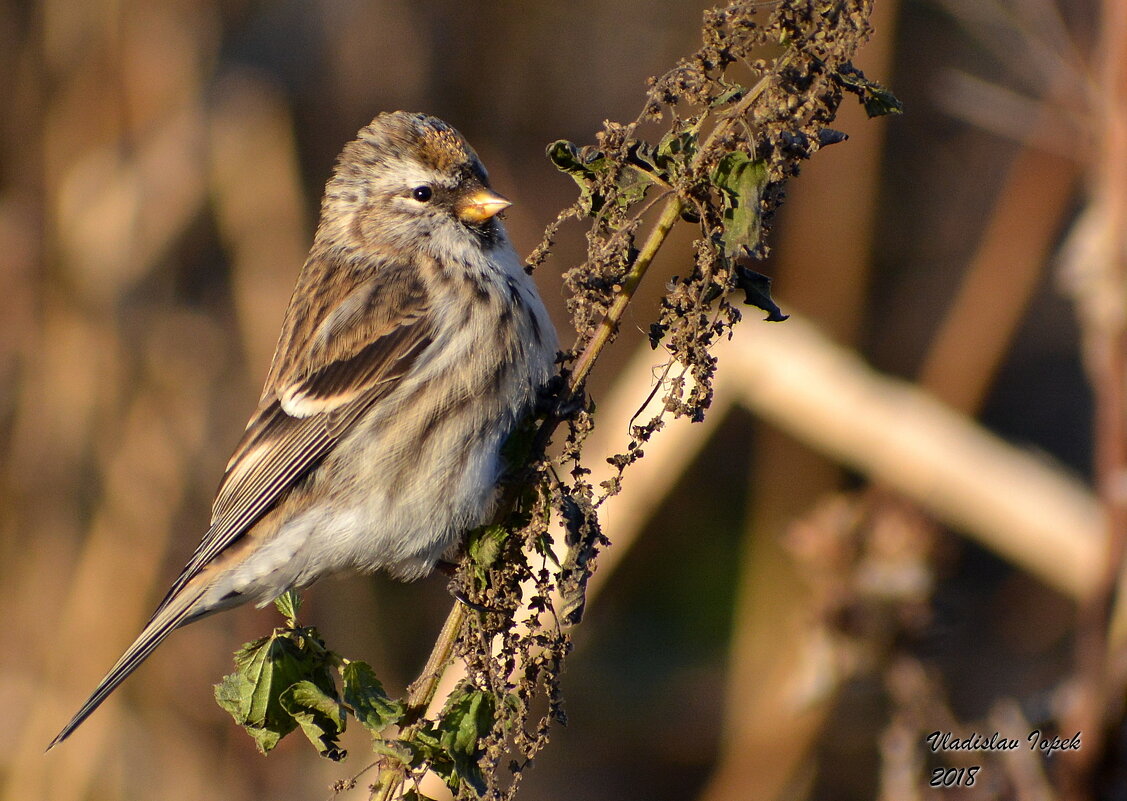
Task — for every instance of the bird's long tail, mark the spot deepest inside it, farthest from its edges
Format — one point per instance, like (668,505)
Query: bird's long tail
(175,612)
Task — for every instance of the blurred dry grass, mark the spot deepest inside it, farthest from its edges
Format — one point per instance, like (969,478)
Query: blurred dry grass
(161,166)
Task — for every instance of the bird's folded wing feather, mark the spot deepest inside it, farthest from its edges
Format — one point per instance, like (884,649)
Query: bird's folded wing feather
(354,357)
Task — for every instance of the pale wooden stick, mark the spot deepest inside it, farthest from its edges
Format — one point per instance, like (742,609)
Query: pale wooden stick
(1011,501)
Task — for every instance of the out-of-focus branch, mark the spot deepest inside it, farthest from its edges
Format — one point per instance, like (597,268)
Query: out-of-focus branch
(1022,508)
(1006,270)
(1025,769)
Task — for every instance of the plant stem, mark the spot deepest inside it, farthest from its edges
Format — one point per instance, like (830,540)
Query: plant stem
(422,692)
(389,782)
(669,215)
(609,325)
(419,697)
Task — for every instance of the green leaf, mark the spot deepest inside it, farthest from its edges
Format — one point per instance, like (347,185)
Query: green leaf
(566,156)
(583,166)
(484,544)
(265,669)
(642,156)
(427,737)
(757,288)
(674,148)
(321,716)
(365,695)
(398,750)
(740,181)
(465,721)
(877,100)
(266,739)
(426,749)
(632,187)
(231,694)
(730,96)
(543,546)
(452,744)
(289,604)
(270,666)
(588,166)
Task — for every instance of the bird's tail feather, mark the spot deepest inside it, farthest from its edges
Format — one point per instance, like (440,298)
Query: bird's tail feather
(169,616)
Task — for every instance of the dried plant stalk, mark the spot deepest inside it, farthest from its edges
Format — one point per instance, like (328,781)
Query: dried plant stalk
(737,126)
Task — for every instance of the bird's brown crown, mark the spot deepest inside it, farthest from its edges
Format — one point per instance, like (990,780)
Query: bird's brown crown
(399,134)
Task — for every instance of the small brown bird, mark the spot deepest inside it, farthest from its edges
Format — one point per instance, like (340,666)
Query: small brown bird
(413,344)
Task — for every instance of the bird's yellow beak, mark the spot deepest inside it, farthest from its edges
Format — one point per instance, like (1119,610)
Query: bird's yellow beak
(480,206)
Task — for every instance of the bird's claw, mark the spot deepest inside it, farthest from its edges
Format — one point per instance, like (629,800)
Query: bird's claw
(460,596)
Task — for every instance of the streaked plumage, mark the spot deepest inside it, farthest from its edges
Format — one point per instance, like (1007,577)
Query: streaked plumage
(413,343)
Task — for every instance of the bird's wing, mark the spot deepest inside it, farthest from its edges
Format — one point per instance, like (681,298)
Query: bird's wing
(354,356)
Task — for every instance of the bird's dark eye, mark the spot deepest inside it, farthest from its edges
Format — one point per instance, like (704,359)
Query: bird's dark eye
(422,193)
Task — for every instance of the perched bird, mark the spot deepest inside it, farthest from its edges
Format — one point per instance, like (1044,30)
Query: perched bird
(413,343)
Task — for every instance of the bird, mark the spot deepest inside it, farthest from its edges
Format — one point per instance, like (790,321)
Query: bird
(414,342)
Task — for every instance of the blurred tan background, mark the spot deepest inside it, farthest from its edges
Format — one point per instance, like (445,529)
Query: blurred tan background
(162,161)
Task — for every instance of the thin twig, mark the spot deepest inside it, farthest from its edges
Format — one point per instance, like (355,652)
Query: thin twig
(669,215)
(422,691)
(609,325)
